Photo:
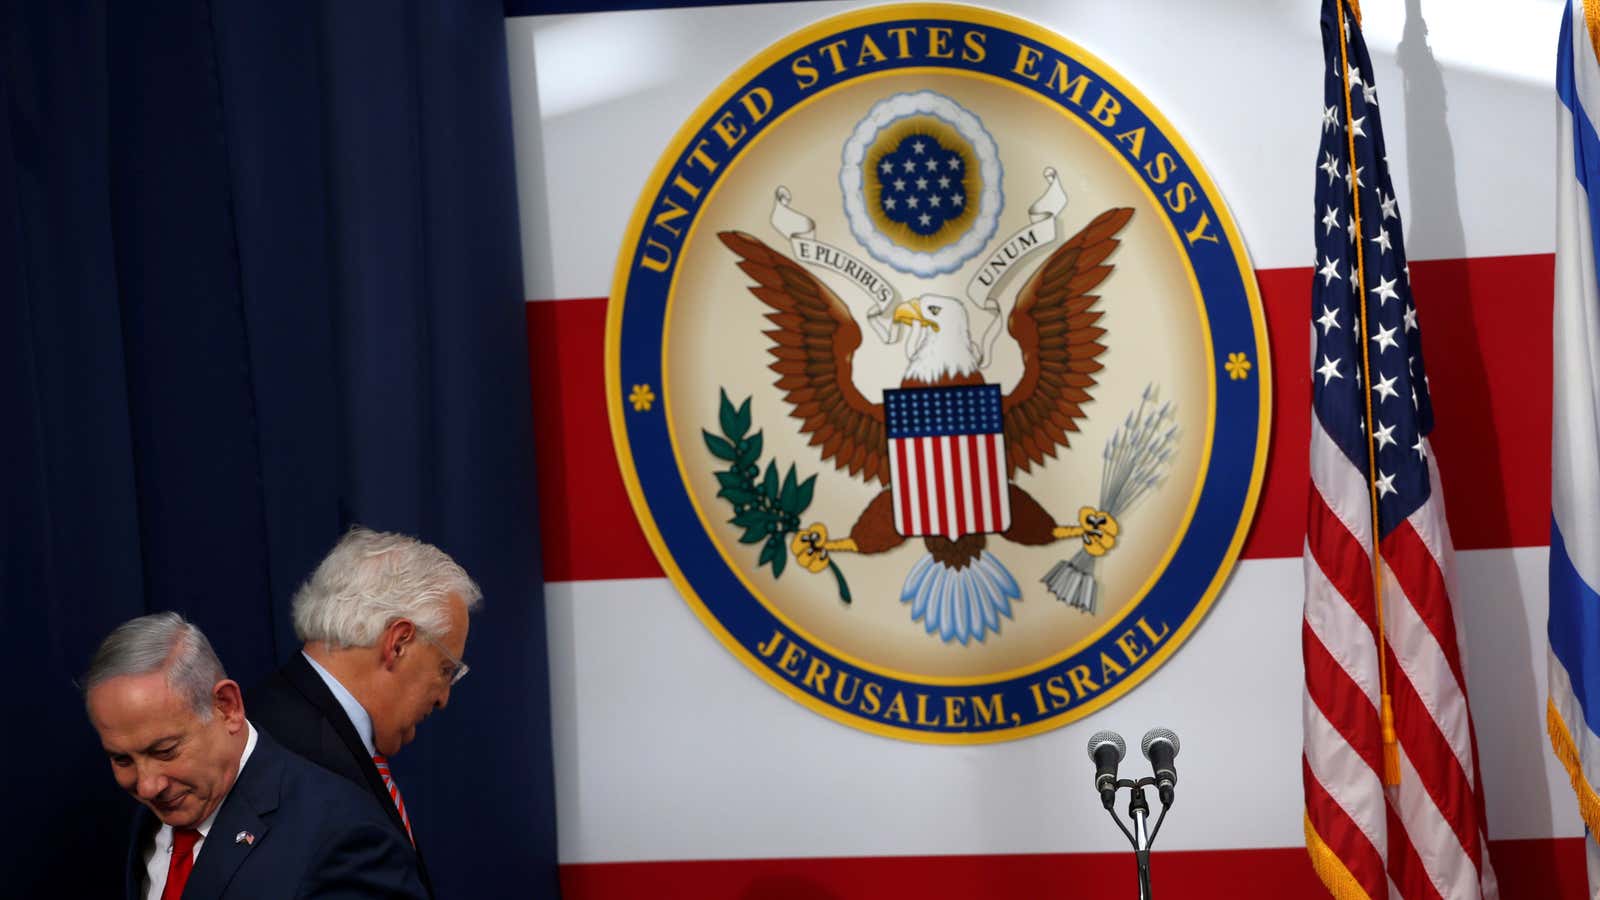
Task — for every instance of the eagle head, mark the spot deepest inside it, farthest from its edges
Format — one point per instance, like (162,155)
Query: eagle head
(940,348)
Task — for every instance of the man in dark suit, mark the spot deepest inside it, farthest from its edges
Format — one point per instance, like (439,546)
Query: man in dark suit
(227,813)
(384,625)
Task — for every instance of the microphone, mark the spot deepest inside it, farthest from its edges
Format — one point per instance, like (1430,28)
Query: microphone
(1160,746)
(1106,749)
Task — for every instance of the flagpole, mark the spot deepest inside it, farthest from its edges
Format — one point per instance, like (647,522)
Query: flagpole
(1391,749)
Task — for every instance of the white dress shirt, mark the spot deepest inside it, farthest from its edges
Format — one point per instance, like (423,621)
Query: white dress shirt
(347,702)
(158,856)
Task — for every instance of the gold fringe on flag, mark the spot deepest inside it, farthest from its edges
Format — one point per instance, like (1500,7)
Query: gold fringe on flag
(1591,17)
(1567,751)
(1331,869)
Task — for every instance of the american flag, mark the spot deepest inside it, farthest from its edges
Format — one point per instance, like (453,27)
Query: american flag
(947,460)
(1394,794)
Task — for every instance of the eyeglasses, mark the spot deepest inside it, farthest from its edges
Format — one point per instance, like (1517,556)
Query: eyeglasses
(458,669)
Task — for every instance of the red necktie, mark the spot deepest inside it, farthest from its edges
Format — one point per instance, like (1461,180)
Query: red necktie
(394,794)
(181,863)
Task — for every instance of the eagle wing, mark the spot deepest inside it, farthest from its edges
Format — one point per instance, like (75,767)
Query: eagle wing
(1054,324)
(814,340)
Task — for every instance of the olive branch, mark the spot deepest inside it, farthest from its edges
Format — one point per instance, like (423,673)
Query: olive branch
(765,505)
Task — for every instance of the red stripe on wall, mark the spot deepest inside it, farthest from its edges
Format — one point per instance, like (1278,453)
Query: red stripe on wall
(1486,325)
(1547,869)
(587,527)
(1486,344)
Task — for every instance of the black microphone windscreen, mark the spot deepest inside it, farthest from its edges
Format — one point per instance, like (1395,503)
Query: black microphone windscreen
(1158,734)
(1107,739)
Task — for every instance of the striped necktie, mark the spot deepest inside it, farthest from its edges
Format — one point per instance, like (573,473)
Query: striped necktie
(394,793)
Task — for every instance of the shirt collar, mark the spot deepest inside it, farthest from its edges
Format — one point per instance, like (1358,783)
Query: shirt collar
(347,701)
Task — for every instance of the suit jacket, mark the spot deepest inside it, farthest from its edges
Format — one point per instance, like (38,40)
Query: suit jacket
(313,835)
(295,706)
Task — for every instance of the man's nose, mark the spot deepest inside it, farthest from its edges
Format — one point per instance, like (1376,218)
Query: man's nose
(444,698)
(152,781)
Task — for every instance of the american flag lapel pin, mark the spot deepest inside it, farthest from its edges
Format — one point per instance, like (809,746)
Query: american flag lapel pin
(246,838)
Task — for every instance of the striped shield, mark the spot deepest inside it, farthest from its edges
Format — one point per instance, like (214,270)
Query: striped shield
(947,461)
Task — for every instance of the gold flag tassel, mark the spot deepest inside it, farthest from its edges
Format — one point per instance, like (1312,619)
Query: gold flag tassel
(1391,744)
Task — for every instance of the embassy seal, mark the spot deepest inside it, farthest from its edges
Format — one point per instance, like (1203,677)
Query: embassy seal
(937,374)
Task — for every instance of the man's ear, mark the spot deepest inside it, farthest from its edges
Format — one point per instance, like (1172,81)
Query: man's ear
(227,703)
(397,637)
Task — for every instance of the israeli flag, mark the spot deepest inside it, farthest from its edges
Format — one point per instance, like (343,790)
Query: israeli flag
(1573,710)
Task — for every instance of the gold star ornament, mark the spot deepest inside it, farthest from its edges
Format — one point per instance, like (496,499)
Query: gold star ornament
(642,398)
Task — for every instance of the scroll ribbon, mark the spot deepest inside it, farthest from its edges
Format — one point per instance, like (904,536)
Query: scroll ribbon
(801,233)
(1000,267)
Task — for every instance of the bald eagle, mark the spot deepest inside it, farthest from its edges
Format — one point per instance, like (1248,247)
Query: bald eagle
(957,588)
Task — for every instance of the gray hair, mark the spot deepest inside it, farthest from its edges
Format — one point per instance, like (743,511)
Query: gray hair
(371,578)
(160,642)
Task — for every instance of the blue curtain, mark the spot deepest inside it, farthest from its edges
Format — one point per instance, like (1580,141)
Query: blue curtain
(260,279)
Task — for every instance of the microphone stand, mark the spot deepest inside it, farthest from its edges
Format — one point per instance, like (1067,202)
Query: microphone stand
(1142,836)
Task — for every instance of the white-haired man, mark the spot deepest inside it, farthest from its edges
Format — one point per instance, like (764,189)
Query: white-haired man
(226,812)
(384,625)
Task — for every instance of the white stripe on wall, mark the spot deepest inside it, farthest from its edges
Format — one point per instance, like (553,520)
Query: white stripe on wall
(736,770)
